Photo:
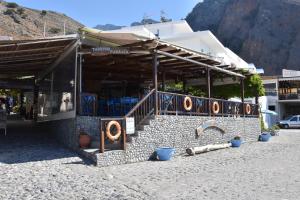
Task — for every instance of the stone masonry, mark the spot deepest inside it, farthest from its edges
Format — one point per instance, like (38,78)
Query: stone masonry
(173,131)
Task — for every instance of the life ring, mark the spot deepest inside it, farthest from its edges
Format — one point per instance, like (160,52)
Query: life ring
(215,107)
(109,134)
(187,103)
(248,109)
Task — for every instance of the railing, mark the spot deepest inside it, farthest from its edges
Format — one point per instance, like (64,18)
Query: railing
(289,96)
(139,112)
(105,143)
(178,104)
(143,109)
(88,104)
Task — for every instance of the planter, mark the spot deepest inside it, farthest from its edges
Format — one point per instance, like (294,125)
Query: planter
(84,141)
(264,137)
(165,153)
(275,133)
(236,143)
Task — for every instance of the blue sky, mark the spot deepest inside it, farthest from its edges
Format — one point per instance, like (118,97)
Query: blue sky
(119,12)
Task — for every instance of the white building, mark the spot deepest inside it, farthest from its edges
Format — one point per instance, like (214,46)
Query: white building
(282,96)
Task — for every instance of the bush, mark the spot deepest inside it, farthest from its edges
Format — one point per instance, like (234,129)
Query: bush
(44,12)
(9,12)
(237,138)
(54,30)
(12,5)
(20,11)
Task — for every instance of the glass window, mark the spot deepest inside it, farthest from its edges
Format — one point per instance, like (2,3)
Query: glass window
(64,86)
(272,108)
(294,119)
(57,89)
(44,99)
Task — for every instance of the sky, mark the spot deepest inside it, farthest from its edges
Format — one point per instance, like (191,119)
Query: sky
(118,12)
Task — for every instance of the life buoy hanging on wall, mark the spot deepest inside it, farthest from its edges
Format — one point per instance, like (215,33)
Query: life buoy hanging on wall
(187,103)
(110,136)
(215,107)
(248,109)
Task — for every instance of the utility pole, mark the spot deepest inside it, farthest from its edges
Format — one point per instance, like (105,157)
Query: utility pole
(65,27)
(45,29)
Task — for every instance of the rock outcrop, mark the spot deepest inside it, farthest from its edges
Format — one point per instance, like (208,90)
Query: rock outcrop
(23,23)
(264,32)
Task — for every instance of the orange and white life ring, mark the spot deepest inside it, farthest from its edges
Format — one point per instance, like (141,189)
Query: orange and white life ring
(187,103)
(215,107)
(110,136)
(248,109)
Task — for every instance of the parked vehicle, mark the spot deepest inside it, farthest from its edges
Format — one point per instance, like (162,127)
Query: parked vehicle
(290,122)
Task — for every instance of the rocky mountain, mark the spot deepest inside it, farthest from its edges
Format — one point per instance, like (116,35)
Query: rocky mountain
(265,32)
(21,23)
(108,27)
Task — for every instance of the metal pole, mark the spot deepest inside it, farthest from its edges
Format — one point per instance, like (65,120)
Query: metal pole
(208,90)
(155,65)
(243,95)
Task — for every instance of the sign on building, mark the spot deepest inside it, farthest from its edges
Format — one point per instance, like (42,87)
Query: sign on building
(130,126)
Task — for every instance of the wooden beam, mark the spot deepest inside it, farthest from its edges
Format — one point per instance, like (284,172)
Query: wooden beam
(38,50)
(201,64)
(154,79)
(27,59)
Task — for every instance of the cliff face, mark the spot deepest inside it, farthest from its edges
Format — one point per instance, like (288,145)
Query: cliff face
(264,32)
(23,23)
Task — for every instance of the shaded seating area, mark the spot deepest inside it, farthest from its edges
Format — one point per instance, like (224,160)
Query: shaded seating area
(92,106)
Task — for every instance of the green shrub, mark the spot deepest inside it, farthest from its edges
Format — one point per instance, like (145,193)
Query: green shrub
(12,5)
(9,12)
(44,12)
(20,11)
(54,30)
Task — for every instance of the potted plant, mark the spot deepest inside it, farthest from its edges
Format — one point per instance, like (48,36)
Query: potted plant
(264,137)
(236,141)
(84,139)
(165,153)
(274,130)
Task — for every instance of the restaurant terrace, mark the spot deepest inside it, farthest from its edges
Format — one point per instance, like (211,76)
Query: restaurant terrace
(111,85)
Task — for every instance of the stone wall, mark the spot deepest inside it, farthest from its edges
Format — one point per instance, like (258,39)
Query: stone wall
(64,131)
(180,132)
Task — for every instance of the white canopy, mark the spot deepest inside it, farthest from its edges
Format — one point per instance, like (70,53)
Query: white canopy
(179,33)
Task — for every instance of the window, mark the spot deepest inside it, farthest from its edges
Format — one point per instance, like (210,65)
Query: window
(294,119)
(57,91)
(273,108)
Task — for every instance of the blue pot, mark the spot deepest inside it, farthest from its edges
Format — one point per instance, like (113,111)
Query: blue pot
(264,137)
(165,153)
(236,143)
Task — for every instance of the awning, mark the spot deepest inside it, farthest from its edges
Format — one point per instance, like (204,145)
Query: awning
(30,57)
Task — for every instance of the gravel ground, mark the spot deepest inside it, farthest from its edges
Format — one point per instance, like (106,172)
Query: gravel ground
(38,168)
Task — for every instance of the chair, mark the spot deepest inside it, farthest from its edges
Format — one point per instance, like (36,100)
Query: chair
(3,120)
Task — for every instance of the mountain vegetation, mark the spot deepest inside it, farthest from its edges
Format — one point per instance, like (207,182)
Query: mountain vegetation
(23,23)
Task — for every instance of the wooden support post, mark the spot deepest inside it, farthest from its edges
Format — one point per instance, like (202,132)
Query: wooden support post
(164,81)
(101,141)
(155,65)
(35,100)
(208,82)
(124,140)
(243,95)
(184,86)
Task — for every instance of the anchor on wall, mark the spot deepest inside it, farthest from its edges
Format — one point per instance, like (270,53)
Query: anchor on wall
(210,124)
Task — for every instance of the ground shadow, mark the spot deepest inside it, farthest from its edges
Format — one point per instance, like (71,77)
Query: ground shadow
(25,142)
